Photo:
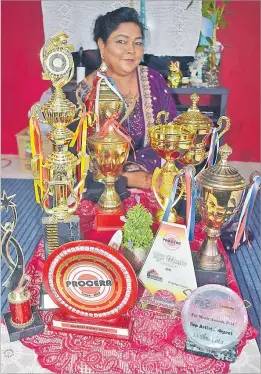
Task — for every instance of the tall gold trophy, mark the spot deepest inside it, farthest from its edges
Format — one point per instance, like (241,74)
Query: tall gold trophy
(109,150)
(221,191)
(55,179)
(171,142)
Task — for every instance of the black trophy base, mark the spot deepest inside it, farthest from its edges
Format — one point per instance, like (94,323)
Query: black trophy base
(94,189)
(56,234)
(46,303)
(15,333)
(229,354)
(209,276)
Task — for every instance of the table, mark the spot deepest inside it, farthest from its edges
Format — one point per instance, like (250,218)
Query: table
(156,346)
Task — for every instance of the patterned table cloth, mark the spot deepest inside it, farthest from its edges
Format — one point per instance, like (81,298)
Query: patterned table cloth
(157,342)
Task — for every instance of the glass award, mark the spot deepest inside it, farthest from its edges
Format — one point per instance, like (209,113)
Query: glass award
(214,319)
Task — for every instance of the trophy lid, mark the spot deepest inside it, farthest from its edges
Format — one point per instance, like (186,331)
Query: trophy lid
(109,102)
(109,137)
(193,117)
(221,175)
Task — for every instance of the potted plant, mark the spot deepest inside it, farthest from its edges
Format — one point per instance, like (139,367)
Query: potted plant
(137,235)
(213,17)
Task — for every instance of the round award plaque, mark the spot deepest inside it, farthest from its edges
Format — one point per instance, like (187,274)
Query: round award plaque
(214,317)
(90,279)
(58,62)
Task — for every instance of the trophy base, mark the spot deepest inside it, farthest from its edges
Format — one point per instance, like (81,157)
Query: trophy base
(119,328)
(108,221)
(173,217)
(204,276)
(229,355)
(56,234)
(16,333)
(46,303)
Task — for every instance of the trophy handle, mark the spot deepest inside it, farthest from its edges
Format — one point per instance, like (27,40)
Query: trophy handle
(226,128)
(252,176)
(154,178)
(160,114)
(204,153)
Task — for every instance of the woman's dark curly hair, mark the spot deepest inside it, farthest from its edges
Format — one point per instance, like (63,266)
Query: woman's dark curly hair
(105,25)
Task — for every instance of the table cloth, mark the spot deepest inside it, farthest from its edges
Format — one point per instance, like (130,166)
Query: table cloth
(157,342)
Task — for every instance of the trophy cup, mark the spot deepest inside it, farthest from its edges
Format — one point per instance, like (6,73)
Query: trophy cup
(171,142)
(106,102)
(221,191)
(203,127)
(23,320)
(109,150)
(55,176)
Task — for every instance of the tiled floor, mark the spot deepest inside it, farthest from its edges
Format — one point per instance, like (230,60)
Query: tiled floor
(13,169)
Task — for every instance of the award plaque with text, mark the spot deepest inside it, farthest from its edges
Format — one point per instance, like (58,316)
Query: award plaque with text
(94,286)
(168,273)
(214,319)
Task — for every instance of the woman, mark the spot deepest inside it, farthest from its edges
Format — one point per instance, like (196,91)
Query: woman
(120,35)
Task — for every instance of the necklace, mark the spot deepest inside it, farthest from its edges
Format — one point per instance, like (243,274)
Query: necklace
(131,99)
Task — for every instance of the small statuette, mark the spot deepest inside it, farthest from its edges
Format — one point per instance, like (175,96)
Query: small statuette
(175,75)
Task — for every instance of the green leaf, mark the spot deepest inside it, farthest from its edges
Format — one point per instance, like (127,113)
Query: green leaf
(190,4)
(223,23)
(201,48)
(210,41)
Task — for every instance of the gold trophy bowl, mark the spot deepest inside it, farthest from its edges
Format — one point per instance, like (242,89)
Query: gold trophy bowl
(221,191)
(203,127)
(108,154)
(171,142)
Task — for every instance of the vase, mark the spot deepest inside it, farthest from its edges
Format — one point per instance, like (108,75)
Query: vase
(136,257)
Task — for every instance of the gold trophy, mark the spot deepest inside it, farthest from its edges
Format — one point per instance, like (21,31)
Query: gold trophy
(55,179)
(221,191)
(108,103)
(109,150)
(203,127)
(171,142)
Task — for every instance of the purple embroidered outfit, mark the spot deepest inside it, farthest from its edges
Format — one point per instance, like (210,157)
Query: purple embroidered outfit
(154,97)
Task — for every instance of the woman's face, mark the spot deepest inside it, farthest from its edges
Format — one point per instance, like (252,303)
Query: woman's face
(123,50)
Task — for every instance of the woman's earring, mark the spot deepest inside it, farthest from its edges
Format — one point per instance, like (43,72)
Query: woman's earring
(103,67)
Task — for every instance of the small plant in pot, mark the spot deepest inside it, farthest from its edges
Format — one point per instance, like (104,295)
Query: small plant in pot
(137,235)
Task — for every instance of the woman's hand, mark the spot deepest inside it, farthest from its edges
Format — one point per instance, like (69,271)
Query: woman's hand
(138,179)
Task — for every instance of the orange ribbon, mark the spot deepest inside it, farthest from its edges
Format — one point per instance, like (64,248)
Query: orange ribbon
(118,128)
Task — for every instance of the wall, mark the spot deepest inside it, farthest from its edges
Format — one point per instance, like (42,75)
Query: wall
(22,84)
(241,74)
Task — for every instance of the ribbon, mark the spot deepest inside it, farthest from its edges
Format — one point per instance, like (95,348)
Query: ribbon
(214,139)
(81,136)
(119,129)
(247,211)
(191,194)
(36,147)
